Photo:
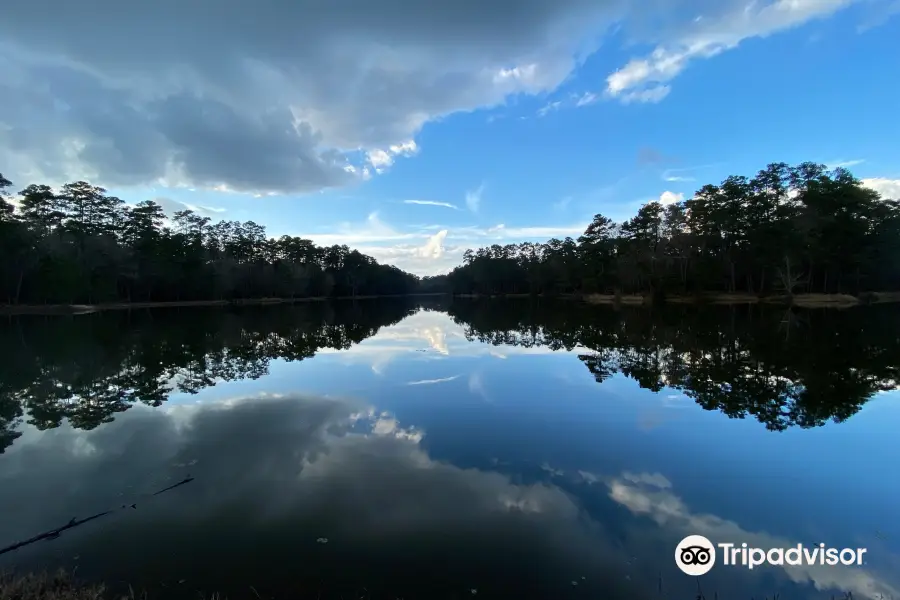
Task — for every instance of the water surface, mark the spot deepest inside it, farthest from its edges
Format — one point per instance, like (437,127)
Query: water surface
(436,450)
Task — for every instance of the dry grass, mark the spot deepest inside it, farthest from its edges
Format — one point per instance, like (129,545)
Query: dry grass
(613,299)
(822,300)
(58,586)
(884,297)
(721,298)
(799,300)
(62,586)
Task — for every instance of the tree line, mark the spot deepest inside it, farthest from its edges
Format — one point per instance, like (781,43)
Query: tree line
(86,369)
(787,230)
(784,368)
(78,244)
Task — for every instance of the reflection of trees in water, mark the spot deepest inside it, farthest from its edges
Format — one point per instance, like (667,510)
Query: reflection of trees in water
(784,368)
(86,368)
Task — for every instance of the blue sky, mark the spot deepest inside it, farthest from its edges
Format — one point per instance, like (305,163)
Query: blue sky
(414,132)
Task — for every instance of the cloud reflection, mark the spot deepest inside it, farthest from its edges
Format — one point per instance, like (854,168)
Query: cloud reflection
(650,495)
(425,335)
(274,473)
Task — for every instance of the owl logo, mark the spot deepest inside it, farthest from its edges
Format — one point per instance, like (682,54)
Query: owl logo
(695,555)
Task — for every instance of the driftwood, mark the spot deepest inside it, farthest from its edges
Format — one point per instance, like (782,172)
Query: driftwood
(75,522)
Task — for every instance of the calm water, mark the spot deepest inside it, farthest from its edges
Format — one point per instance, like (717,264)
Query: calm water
(430,449)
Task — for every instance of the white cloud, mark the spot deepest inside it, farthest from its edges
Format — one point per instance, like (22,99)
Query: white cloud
(503,233)
(650,95)
(382,159)
(415,259)
(549,107)
(473,198)
(431,203)
(845,164)
(379,159)
(587,99)
(433,381)
(270,96)
(434,247)
(424,251)
(683,174)
(643,79)
(431,257)
(888,188)
(668,197)
(275,96)
(172,206)
(373,230)
(879,14)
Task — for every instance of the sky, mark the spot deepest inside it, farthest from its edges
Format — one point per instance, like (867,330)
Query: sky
(412,131)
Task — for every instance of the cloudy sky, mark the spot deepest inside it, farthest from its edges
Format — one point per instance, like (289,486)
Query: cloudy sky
(415,130)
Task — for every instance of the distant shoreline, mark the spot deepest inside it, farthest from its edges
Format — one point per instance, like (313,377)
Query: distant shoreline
(77,309)
(799,300)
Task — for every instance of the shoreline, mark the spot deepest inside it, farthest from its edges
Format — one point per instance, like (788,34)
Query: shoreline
(63,585)
(730,299)
(721,298)
(81,309)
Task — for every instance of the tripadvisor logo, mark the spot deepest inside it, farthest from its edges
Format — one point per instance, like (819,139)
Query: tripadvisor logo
(696,555)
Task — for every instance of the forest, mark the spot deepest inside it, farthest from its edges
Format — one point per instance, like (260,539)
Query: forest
(79,245)
(787,230)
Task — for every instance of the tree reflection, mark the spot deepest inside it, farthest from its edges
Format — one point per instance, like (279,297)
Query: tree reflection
(86,368)
(785,369)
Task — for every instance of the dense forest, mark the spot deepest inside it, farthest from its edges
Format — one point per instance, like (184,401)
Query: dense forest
(788,230)
(80,245)
(784,369)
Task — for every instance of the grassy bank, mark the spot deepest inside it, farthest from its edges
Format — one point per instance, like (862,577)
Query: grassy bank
(59,586)
(62,586)
(799,300)
(74,309)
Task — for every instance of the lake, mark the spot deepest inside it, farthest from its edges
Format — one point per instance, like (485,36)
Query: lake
(429,448)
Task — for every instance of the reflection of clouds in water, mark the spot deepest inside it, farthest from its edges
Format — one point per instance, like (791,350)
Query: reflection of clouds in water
(329,468)
(425,335)
(668,409)
(656,480)
(381,423)
(677,401)
(476,386)
(433,381)
(552,471)
(649,494)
